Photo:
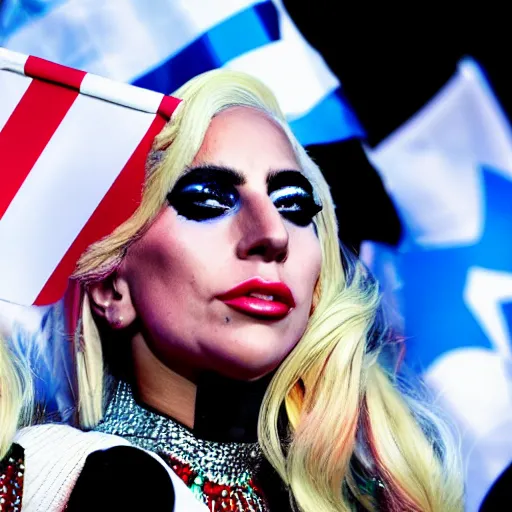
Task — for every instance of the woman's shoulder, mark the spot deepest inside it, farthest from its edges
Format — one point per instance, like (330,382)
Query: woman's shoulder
(52,439)
(63,433)
(66,468)
(54,456)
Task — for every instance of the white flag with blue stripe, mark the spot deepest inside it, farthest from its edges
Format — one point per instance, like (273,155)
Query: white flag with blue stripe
(160,44)
(449,171)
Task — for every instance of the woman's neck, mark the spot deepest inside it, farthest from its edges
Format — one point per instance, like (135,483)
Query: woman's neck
(160,387)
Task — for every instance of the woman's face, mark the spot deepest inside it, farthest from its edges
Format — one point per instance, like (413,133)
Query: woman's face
(223,279)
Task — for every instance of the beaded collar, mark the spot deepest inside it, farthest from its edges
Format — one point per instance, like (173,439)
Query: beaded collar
(221,474)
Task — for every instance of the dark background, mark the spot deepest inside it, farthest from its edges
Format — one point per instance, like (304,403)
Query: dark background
(391,61)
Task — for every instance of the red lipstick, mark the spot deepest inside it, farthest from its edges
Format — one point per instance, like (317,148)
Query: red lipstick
(259,298)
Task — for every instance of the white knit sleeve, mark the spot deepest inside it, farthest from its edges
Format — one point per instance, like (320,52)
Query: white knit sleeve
(54,457)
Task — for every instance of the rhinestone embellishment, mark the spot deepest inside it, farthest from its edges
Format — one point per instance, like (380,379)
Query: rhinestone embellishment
(219,474)
(12,470)
(241,497)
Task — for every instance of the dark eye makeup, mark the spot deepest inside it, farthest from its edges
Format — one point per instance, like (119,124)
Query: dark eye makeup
(292,194)
(206,193)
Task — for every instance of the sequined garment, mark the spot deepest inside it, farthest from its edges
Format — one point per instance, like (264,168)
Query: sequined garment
(219,474)
(12,470)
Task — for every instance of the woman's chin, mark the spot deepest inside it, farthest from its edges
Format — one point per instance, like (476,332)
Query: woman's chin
(244,372)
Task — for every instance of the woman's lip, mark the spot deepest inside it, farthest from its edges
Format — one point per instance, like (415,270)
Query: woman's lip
(240,298)
(280,293)
(259,308)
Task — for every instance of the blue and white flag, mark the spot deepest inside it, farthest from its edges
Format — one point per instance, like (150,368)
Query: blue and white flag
(449,172)
(160,44)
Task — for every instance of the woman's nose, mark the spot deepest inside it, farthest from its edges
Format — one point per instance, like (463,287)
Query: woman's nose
(263,232)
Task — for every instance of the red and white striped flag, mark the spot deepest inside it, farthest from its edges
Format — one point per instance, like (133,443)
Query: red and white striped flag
(73,148)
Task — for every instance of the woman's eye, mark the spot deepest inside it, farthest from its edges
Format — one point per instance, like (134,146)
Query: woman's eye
(203,201)
(295,204)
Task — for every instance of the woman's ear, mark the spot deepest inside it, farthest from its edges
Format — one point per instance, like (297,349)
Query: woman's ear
(111,300)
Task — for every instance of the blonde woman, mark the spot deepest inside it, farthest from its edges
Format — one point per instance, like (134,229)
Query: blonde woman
(223,332)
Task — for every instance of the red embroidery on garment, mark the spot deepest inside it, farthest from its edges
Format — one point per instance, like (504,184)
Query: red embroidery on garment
(246,496)
(12,470)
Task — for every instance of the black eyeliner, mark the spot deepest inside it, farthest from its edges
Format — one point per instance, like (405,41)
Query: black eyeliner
(208,192)
(205,193)
(288,178)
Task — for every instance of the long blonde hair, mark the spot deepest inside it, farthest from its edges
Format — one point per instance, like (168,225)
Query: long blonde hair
(16,394)
(346,414)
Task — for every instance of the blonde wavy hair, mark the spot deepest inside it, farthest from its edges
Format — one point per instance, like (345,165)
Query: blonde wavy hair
(347,417)
(16,394)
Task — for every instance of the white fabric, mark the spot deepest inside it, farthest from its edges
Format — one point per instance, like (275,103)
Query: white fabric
(12,88)
(13,61)
(72,181)
(122,94)
(54,458)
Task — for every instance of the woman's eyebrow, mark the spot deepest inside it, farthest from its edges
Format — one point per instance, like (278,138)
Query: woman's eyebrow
(276,179)
(288,177)
(210,172)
